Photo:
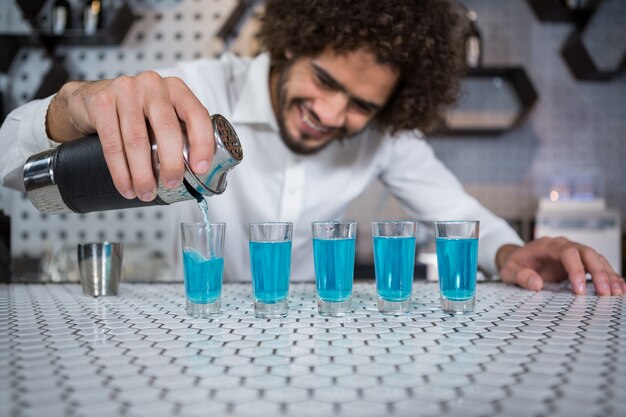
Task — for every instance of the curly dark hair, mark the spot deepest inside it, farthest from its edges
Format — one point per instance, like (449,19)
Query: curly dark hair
(418,37)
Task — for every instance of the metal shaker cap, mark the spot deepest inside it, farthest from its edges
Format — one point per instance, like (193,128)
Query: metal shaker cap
(225,133)
(40,184)
(227,154)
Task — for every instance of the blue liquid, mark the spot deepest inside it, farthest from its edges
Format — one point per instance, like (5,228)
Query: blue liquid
(270,263)
(457,263)
(204,207)
(203,277)
(394,261)
(334,268)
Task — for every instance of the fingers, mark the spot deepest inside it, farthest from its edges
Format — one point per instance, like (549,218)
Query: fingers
(514,271)
(107,125)
(198,124)
(552,259)
(135,138)
(599,275)
(577,259)
(573,264)
(127,111)
(166,128)
(618,286)
(528,278)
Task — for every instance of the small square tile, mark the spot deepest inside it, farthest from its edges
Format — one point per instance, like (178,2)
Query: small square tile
(310,409)
(417,408)
(223,382)
(187,395)
(265,382)
(145,395)
(311,360)
(357,381)
(236,396)
(311,381)
(159,409)
(364,408)
(286,395)
(248,371)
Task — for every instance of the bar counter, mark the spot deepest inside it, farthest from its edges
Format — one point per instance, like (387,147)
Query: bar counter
(138,354)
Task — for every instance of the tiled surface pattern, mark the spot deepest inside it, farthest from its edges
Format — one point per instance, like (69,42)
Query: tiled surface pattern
(138,354)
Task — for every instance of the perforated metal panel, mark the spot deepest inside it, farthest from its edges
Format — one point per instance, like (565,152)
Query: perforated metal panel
(607,28)
(520,354)
(165,33)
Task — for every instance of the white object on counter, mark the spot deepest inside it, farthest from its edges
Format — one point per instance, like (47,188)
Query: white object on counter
(586,222)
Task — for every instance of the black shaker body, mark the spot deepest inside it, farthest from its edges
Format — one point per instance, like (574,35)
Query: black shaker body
(84,180)
(74,177)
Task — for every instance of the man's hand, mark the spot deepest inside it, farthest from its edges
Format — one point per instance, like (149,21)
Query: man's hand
(117,111)
(555,259)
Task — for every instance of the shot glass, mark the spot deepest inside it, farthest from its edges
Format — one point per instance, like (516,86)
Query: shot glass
(203,266)
(270,264)
(100,268)
(333,256)
(394,262)
(457,263)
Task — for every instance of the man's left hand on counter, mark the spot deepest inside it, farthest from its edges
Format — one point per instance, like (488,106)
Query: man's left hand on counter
(554,259)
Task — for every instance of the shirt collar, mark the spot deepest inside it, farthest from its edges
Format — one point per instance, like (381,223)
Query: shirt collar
(254,105)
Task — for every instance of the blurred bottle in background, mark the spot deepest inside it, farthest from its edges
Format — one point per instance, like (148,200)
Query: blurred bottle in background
(92,16)
(1,105)
(61,16)
(5,248)
(572,4)
(473,44)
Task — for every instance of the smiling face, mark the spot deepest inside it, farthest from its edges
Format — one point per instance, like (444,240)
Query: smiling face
(327,97)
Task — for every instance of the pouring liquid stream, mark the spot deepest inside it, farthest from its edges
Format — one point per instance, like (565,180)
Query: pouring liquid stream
(204,207)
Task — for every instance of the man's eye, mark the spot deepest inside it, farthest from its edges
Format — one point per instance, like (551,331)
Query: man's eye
(324,83)
(362,108)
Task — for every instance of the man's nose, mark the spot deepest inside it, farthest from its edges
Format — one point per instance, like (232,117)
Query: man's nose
(332,109)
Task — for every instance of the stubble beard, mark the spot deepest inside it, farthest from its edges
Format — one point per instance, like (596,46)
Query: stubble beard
(296,146)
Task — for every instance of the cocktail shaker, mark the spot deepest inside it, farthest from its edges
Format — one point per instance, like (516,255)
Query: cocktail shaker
(74,176)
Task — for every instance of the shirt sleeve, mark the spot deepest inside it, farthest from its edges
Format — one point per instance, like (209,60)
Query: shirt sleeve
(430,192)
(22,134)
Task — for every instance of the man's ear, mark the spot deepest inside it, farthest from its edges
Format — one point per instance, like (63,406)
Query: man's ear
(288,54)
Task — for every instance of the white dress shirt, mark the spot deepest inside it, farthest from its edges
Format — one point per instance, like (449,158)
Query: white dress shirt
(274,184)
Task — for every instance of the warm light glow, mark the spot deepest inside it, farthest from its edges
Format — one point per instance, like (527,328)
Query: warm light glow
(554,195)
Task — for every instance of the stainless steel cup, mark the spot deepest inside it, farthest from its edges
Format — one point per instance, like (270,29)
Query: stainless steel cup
(100,268)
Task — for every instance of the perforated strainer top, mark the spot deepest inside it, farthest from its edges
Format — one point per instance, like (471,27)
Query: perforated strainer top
(228,136)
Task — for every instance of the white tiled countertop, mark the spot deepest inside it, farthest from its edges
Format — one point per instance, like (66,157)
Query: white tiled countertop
(138,354)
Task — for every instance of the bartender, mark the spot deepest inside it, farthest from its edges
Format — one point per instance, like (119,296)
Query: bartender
(338,101)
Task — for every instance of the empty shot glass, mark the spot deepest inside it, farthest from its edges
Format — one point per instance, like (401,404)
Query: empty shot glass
(203,266)
(394,263)
(457,263)
(333,257)
(270,264)
(100,268)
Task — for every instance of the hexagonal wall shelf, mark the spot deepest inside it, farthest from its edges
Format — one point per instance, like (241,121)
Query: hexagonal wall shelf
(582,48)
(582,64)
(493,100)
(557,11)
